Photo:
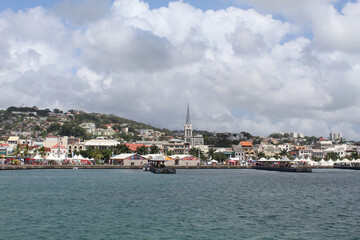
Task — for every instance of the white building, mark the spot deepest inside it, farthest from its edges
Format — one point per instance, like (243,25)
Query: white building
(59,150)
(50,141)
(89,127)
(335,137)
(101,143)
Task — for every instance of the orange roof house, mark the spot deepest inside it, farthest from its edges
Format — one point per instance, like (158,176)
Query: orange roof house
(246,144)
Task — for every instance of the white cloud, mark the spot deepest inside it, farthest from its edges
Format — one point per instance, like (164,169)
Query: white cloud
(242,70)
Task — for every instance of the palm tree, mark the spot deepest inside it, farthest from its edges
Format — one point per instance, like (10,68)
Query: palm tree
(211,153)
(142,150)
(26,150)
(17,151)
(194,151)
(154,149)
(42,151)
(284,153)
(122,148)
(332,155)
(261,155)
(354,155)
(97,156)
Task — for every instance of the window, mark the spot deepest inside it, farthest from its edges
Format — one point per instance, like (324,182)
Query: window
(132,163)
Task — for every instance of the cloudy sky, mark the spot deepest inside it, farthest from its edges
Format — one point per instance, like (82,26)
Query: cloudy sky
(260,66)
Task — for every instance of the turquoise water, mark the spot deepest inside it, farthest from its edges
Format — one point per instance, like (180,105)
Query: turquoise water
(192,204)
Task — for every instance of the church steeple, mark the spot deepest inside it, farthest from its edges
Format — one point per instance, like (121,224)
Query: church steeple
(188,116)
(188,127)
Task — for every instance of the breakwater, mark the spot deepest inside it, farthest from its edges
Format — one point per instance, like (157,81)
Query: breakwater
(33,167)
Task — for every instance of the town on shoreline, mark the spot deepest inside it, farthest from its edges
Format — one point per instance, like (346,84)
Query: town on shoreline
(41,137)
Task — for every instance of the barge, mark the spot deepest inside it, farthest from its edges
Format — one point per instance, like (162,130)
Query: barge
(283,165)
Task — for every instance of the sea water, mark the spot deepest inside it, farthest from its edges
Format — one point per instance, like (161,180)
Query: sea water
(192,204)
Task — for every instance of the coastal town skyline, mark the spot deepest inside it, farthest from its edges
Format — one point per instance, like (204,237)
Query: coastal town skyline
(259,66)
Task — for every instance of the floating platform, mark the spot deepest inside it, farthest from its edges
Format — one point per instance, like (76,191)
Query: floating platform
(284,169)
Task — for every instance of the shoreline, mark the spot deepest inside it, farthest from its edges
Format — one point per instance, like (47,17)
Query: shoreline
(35,167)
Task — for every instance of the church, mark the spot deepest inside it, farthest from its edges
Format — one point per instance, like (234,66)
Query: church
(188,132)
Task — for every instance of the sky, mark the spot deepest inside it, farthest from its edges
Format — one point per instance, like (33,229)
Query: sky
(260,66)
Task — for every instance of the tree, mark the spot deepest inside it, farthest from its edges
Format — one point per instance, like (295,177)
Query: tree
(97,155)
(284,153)
(54,127)
(78,131)
(122,148)
(220,157)
(42,151)
(261,155)
(211,153)
(142,150)
(37,128)
(194,151)
(106,153)
(17,151)
(354,155)
(332,155)
(66,130)
(154,149)
(57,110)
(26,150)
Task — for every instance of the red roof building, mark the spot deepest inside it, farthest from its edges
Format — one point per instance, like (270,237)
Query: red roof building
(134,146)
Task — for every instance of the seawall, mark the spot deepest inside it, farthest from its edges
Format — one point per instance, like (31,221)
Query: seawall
(33,167)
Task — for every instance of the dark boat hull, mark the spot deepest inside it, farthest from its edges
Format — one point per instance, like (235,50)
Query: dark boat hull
(284,169)
(163,170)
(350,168)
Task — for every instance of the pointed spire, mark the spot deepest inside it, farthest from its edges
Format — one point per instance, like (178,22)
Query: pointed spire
(188,115)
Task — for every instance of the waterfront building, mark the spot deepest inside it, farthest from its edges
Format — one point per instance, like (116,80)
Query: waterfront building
(76,147)
(248,149)
(318,153)
(128,159)
(5,149)
(239,152)
(50,141)
(302,152)
(101,143)
(58,150)
(176,146)
(185,160)
(268,149)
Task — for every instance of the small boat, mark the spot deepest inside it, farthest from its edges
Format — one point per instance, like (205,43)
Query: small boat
(157,165)
(75,168)
(283,165)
